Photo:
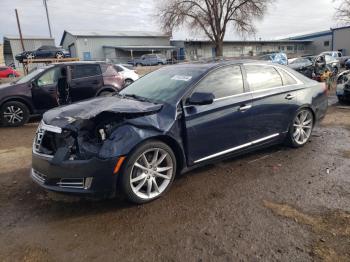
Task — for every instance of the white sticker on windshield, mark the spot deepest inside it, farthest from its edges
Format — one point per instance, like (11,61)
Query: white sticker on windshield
(181,78)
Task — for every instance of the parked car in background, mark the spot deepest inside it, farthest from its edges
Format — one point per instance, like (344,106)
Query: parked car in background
(337,55)
(170,121)
(37,92)
(279,58)
(149,60)
(129,75)
(303,65)
(343,87)
(347,65)
(44,51)
(8,72)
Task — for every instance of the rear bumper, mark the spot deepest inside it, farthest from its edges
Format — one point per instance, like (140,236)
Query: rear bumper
(83,177)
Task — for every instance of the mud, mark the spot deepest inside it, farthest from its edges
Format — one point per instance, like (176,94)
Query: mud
(277,204)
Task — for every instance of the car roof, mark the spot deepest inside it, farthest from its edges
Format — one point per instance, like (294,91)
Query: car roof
(82,63)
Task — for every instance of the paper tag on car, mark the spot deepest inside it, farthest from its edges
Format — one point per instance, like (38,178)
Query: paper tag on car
(181,78)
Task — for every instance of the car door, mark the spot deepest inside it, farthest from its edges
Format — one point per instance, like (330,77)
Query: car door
(274,102)
(44,89)
(86,81)
(223,126)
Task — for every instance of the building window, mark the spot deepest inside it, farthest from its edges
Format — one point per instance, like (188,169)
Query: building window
(290,48)
(326,43)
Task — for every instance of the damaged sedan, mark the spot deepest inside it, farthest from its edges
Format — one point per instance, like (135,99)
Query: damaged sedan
(171,121)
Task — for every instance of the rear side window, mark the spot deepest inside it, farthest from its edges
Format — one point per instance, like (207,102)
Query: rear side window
(262,77)
(86,71)
(3,68)
(222,82)
(287,79)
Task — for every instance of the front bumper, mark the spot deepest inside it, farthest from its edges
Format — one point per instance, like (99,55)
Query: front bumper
(84,177)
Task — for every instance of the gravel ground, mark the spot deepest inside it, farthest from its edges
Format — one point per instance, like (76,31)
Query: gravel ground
(278,204)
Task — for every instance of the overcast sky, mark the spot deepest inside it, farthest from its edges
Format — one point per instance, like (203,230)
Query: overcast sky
(284,18)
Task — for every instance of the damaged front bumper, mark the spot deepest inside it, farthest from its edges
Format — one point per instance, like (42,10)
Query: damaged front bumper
(93,176)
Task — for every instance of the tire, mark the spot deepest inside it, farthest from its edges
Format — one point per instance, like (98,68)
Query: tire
(14,114)
(139,181)
(335,71)
(11,75)
(300,133)
(341,100)
(59,55)
(128,82)
(30,56)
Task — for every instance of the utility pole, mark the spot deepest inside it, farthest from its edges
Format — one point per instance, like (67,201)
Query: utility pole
(48,18)
(20,31)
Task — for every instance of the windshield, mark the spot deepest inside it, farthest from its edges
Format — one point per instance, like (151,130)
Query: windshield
(30,76)
(164,84)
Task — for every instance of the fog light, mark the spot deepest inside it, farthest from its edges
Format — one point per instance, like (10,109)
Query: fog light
(87,182)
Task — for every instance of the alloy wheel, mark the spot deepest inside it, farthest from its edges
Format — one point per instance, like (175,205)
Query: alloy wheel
(59,55)
(30,56)
(151,173)
(303,124)
(13,114)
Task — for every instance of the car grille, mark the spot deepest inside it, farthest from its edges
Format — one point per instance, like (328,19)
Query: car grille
(43,139)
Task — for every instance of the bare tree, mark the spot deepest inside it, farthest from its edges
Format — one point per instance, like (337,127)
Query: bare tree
(342,13)
(213,17)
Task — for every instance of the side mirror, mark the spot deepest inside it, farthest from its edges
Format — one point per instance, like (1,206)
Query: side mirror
(201,99)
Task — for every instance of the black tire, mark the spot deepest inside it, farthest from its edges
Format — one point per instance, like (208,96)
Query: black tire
(335,71)
(128,82)
(128,172)
(30,56)
(11,75)
(20,118)
(59,55)
(341,100)
(293,141)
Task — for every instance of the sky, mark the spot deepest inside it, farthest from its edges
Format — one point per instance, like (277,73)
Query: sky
(284,18)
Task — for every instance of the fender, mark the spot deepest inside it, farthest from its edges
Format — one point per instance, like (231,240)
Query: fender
(21,99)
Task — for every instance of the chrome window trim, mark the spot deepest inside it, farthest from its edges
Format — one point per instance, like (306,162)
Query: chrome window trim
(236,148)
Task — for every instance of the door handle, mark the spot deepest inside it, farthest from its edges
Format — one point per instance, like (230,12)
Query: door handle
(243,108)
(289,97)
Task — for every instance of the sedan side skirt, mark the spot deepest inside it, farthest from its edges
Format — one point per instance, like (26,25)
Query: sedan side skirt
(237,148)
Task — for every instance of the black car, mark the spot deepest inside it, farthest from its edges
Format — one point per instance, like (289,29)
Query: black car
(304,65)
(44,52)
(343,87)
(39,91)
(170,121)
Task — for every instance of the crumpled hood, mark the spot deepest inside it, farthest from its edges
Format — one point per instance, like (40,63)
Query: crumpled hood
(88,109)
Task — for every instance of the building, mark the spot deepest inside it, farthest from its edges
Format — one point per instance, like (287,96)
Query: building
(321,41)
(2,61)
(203,49)
(341,40)
(12,46)
(115,46)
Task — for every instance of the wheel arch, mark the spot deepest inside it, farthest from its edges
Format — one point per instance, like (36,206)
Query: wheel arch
(106,89)
(18,99)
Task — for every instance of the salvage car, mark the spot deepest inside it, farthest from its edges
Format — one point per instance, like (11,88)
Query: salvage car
(303,65)
(129,75)
(343,87)
(8,72)
(149,60)
(36,92)
(44,51)
(171,121)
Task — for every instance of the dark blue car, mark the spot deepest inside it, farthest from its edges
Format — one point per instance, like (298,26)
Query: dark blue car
(44,51)
(171,121)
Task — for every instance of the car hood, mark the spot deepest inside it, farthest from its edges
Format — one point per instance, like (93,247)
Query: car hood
(88,109)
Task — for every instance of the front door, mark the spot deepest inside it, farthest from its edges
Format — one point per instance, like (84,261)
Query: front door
(86,81)
(44,89)
(222,127)
(274,100)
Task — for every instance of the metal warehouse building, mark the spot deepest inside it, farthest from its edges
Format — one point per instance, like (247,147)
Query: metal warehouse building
(115,46)
(12,46)
(199,49)
(341,39)
(321,41)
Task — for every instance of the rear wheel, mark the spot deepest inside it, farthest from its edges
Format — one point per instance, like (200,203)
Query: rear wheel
(11,75)
(59,55)
(30,56)
(14,114)
(105,93)
(128,82)
(148,172)
(301,128)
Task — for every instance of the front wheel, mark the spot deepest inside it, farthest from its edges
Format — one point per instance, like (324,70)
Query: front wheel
(59,55)
(148,172)
(301,128)
(128,82)
(14,114)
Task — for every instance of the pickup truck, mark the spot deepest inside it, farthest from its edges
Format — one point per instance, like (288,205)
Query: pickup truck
(149,60)
(337,55)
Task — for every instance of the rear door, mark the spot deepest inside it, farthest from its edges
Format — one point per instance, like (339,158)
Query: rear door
(222,127)
(87,80)
(44,90)
(274,100)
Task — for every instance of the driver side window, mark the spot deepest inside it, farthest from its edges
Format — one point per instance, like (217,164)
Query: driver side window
(223,82)
(50,77)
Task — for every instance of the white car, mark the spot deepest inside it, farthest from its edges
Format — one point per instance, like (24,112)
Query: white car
(129,75)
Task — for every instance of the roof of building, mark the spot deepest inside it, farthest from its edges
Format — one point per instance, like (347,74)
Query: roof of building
(340,28)
(27,37)
(247,41)
(311,35)
(113,34)
(141,47)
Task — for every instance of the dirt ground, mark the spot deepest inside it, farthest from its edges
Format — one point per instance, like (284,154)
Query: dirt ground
(278,204)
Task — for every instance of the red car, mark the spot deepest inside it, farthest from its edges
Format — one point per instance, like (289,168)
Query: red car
(6,71)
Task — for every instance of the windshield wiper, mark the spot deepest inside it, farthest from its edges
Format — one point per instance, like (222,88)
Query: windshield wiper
(136,97)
